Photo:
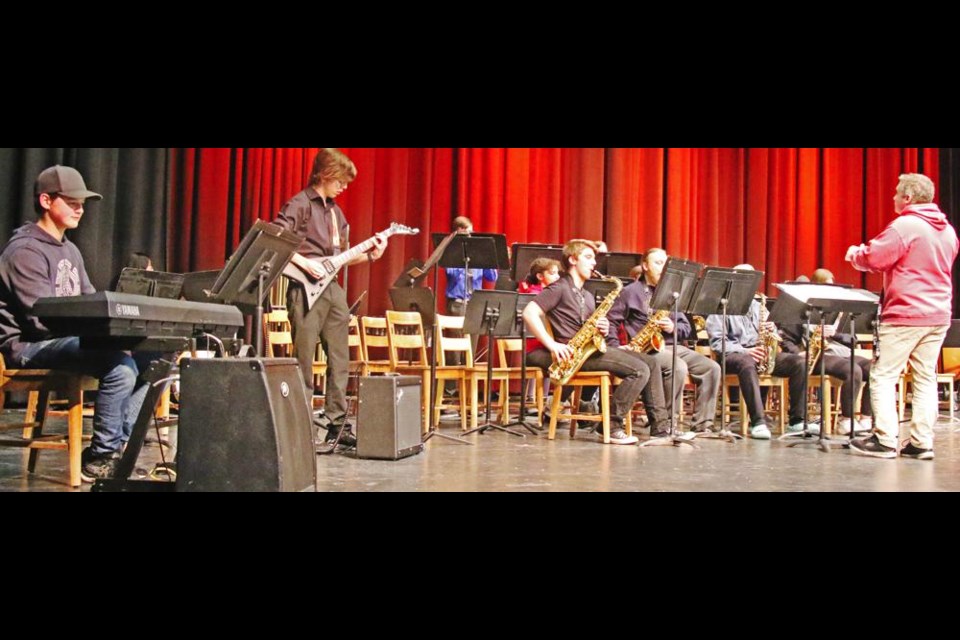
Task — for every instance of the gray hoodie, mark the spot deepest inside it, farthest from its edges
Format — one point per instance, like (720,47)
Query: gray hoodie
(34,265)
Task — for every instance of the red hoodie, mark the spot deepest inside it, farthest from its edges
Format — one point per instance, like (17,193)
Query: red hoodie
(915,253)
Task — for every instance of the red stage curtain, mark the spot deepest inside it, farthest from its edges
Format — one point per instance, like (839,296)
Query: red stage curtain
(785,211)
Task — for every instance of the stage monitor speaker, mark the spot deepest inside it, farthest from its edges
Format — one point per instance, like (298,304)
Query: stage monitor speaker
(388,421)
(244,426)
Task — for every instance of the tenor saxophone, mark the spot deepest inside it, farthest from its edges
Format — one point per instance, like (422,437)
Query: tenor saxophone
(588,340)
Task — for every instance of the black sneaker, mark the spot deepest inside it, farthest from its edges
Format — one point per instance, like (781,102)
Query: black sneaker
(910,451)
(871,447)
(347,439)
(98,466)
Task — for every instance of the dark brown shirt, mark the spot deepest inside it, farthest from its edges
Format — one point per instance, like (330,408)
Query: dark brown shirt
(309,216)
(566,307)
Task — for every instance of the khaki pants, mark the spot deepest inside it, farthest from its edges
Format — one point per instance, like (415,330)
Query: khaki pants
(921,347)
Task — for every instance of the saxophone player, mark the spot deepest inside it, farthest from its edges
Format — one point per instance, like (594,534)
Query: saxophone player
(568,307)
(632,310)
(836,356)
(744,352)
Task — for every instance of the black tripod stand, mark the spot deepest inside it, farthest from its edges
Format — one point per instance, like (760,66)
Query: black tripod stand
(724,292)
(521,420)
(494,311)
(676,284)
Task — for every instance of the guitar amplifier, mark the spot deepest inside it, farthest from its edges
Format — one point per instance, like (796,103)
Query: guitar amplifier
(388,420)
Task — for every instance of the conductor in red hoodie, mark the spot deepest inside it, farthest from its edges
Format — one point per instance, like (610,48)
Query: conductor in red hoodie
(915,253)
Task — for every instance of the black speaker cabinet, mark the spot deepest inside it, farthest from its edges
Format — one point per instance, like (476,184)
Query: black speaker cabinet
(244,426)
(388,421)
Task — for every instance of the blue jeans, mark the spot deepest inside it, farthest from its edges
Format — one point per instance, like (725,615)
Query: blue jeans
(117,403)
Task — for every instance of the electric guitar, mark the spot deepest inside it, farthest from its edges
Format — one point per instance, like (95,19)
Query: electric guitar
(315,287)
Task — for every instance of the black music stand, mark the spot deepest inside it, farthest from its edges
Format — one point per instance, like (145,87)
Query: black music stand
(523,299)
(156,284)
(525,254)
(496,313)
(817,303)
(252,269)
(724,292)
(416,273)
(674,292)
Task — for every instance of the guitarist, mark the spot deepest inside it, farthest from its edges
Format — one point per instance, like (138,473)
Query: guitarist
(314,215)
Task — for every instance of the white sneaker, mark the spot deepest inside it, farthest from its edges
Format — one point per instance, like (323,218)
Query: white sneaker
(760,432)
(863,426)
(797,427)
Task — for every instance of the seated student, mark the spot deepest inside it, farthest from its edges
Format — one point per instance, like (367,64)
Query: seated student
(40,262)
(744,353)
(568,307)
(543,273)
(836,357)
(632,310)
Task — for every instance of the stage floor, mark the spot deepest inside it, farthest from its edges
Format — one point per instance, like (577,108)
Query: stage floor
(498,462)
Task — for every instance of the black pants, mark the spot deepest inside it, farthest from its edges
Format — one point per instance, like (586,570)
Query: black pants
(329,321)
(634,373)
(789,365)
(840,368)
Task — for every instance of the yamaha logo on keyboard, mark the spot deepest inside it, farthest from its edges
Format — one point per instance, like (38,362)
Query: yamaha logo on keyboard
(128,311)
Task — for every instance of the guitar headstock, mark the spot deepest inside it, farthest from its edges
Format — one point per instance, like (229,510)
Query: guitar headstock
(397,229)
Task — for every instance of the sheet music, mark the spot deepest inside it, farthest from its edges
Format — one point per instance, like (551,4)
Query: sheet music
(804,292)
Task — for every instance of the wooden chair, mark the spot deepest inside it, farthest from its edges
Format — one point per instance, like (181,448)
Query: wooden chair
(463,373)
(949,366)
(408,354)
(277,334)
(834,387)
(40,383)
(374,336)
(765,381)
(601,379)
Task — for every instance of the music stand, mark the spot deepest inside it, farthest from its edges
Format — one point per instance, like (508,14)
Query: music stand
(523,299)
(252,269)
(495,312)
(525,254)
(674,292)
(724,292)
(815,303)
(156,284)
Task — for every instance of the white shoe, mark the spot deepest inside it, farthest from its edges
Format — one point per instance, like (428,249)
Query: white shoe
(863,426)
(760,432)
(797,427)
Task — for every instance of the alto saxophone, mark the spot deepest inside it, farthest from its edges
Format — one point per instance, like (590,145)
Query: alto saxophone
(588,340)
(769,340)
(650,337)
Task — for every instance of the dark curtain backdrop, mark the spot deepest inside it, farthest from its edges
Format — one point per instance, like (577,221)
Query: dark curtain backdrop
(786,211)
(131,217)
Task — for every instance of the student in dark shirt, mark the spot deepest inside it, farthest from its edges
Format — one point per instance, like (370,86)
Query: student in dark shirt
(314,215)
(632,309)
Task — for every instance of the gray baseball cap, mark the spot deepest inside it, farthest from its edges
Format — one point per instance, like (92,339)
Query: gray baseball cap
(66,181)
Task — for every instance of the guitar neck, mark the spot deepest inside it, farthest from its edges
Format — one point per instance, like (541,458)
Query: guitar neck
(354,252)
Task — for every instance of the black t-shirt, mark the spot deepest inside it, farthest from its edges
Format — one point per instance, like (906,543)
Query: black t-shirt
(566,307)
